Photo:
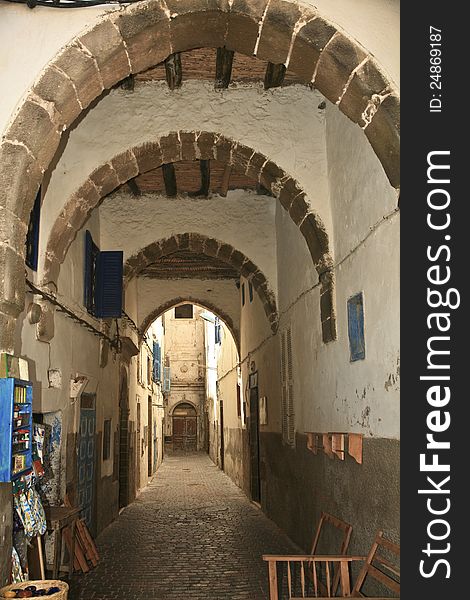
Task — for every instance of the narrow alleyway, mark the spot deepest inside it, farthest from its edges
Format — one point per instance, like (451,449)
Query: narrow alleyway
(191,534)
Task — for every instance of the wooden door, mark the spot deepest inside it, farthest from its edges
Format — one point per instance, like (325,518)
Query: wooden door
(86,458)
(185,428)
(254,445)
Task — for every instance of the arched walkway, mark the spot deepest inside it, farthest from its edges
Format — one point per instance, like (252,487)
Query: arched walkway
(142,35)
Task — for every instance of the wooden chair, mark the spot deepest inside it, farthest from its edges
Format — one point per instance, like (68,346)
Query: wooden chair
(303,579)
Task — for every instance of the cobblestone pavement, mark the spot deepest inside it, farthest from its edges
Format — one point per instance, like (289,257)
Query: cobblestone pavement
(192,534)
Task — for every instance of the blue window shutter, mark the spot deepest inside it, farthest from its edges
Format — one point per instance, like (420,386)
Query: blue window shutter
(91,255)
(157,362)
(108,292)
(32,235)
(357,345)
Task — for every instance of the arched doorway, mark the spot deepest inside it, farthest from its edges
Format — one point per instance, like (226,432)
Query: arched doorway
(185,427)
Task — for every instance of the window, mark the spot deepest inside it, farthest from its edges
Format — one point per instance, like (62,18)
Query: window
(184,311)
(287,391)
(250,291)
(157,362)
(217,331)
(243,294)
(239,402)
(149,369)
(103,281)
(107,439)
(357,345)
(32,235)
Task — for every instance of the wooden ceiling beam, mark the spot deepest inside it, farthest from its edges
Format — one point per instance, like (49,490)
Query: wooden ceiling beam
(169,178)
(224,185)
(223,68)
(133,186)
(274,76)
(205,168)
(174,71)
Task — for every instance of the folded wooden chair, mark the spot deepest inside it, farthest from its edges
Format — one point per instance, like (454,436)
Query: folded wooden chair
(303,580)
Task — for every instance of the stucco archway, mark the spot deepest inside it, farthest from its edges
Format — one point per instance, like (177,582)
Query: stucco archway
(201,244)
(163,308)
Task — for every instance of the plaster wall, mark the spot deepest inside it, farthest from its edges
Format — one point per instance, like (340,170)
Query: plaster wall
(242,219)
(373,23)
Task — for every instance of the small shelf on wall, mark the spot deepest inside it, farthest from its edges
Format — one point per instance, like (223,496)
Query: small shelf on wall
(334,444)
(16,436)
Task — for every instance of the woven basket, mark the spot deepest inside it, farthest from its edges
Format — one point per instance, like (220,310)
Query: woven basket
(41,584)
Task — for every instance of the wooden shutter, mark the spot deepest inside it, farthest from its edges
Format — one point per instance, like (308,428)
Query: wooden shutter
(91,255)
(290,389)
(108,292)
(32,235)
(166,379)
(157,362)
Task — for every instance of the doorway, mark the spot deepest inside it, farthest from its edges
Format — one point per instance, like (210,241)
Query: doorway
(222,442)
(185,427)
(150,440)
(86,458)
(255,483)
(123,442)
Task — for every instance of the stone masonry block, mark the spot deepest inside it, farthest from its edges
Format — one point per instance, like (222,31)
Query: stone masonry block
(277,31)
(17,193)
(169,246)
(196,243)
(225,251)
(7,332)
(171,148)
(125,165)
(337,61)
(54,86)
(309,231)
(34,127)
(12,286)
(105,179)
(248,268)
(298,209)
(188,145)
(366,83)
(205,145)
(270,174)
(241,158)
(61,236)
(288,192)
(211,247)
(107,46)
(237,259)
(197,23)
(383,133)
(255,166)
(183,241)
(87,196)
(148,156)
(243,25)
(145,29)
(45,329)
(12,229)
(308,45)
(82,70)
(149,255)
(223,150)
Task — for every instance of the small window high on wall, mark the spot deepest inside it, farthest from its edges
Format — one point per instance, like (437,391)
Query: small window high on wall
(357,344)
(184,311)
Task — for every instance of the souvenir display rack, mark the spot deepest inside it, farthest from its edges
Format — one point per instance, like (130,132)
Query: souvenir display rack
(16,412)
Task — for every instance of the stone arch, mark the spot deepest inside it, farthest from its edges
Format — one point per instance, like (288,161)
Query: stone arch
(175,147)
(185,401)
(158,312)
(137,37)
(201,244)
